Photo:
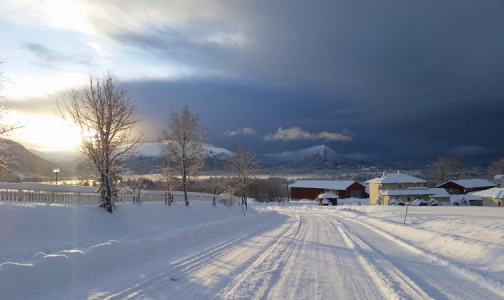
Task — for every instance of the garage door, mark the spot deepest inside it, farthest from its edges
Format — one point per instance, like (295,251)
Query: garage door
(356,194)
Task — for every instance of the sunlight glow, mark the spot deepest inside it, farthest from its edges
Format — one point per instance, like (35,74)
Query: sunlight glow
(46,132)
(38,86)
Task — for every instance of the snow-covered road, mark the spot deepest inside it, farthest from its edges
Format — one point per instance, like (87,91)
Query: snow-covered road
(296,254)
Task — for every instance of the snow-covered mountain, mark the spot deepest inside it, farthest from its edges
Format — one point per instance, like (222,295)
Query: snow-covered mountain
(315,157)
(148,158)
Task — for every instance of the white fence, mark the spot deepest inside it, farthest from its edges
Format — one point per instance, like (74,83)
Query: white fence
(71,197)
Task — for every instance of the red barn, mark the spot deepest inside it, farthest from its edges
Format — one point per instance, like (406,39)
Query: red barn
(311,189)
(466,185)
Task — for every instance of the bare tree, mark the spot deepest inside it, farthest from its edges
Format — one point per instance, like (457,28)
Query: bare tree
(217,185)
(168,178)
(244,167)
(105,115)
(229,191)
(496,167)
(446,168)
(6,160)
(35,166)
(182,146)
(4,107)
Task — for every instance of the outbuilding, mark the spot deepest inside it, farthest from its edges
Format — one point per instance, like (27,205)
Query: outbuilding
(311,189)
(330,197)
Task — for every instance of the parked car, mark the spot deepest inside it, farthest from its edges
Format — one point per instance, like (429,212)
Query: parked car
(420,202)
(433,202)
(396,202)
(325,202)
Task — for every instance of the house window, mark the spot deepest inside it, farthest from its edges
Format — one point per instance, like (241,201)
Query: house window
(408,198)
(400,185)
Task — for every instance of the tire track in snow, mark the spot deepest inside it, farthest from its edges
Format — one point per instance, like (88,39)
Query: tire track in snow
(257,278)
(453,281)
(324,267)
(394,284)
(182,268)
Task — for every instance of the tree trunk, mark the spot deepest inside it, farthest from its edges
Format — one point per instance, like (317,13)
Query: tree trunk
(106,194)
(186,199)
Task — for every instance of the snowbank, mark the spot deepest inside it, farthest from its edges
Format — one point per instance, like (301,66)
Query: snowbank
(44,246)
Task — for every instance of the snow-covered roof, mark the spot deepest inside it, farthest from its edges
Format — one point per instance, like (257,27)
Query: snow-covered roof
(32,186)
(498,176)
(457,198)
(440,192)
(496,193)
(396,178)
(323,184)
(327,196)
(471,183)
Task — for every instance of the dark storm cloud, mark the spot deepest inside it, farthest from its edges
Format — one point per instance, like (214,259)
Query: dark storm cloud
(412,79)
(53,58)
(189,45)
(472,150)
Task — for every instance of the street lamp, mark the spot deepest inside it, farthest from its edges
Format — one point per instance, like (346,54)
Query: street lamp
(56,172)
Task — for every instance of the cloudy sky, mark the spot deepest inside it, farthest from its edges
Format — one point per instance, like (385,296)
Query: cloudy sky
(379,81)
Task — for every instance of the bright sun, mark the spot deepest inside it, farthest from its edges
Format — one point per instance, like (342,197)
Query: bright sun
(48,132)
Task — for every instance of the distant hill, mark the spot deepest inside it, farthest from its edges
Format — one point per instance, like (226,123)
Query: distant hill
(26,162)
(317,157)
(148,159)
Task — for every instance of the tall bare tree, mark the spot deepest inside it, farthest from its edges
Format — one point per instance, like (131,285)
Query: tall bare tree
(496,167)
(182,146)
(244,167)
(446,168)
(106,116)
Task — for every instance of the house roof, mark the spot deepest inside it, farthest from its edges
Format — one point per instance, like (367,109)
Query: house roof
(496,193)
(396,178)
(323,184)
(471,183)
(498,176)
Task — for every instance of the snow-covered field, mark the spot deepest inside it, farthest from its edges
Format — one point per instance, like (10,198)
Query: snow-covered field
(296,251)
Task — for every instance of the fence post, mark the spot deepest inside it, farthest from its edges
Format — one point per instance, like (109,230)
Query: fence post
(52,196)
(20,195)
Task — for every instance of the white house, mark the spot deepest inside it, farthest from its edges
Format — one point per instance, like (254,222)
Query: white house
(491,197)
